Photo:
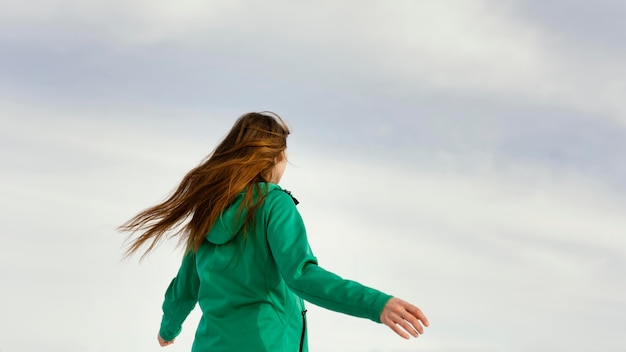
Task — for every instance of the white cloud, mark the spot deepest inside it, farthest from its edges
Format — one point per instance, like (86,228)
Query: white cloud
(483,48)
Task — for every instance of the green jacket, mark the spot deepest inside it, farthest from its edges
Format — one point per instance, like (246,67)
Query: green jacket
(251,288)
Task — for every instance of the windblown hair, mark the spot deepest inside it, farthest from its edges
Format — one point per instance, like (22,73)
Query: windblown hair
(245,158)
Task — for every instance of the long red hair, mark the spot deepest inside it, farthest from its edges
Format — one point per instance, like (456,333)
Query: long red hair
(245,158)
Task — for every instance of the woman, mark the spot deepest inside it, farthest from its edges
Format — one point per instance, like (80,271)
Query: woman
(248,263)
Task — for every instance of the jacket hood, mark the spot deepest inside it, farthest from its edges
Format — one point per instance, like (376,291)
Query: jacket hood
(229,223)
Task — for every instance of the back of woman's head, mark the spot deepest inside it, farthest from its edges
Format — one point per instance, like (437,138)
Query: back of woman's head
(251,148)
(245,158)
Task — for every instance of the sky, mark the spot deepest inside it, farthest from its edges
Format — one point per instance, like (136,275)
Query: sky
(466,156)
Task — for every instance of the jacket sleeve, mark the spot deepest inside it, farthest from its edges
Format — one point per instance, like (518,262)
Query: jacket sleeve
(298,266)
(180,298)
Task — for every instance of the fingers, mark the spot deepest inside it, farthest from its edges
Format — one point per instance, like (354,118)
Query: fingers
(409,327)
(165,343)
(417,313)
(416,318)
(397,330)
(414,324)
(401,327)
(403,318)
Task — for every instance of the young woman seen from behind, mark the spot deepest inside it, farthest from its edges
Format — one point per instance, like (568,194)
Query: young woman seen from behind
(248,263)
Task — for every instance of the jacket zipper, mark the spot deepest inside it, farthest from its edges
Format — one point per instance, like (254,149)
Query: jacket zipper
(303,330)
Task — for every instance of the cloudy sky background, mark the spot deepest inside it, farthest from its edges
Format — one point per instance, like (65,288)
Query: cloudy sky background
(466,156)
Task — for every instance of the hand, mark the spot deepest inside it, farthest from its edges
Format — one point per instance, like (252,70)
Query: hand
(164,343)
(399,315)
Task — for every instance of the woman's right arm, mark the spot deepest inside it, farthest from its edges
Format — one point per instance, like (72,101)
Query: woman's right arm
(180,299)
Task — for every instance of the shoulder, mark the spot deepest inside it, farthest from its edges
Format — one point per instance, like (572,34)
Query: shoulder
(278,197)
(280,194)
(280,209)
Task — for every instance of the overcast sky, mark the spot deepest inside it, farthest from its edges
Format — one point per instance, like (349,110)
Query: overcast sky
(467,156)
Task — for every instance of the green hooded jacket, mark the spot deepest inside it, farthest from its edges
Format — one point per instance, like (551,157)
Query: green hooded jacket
(251,288)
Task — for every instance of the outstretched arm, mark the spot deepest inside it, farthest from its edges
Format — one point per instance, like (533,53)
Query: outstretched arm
(289,245)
